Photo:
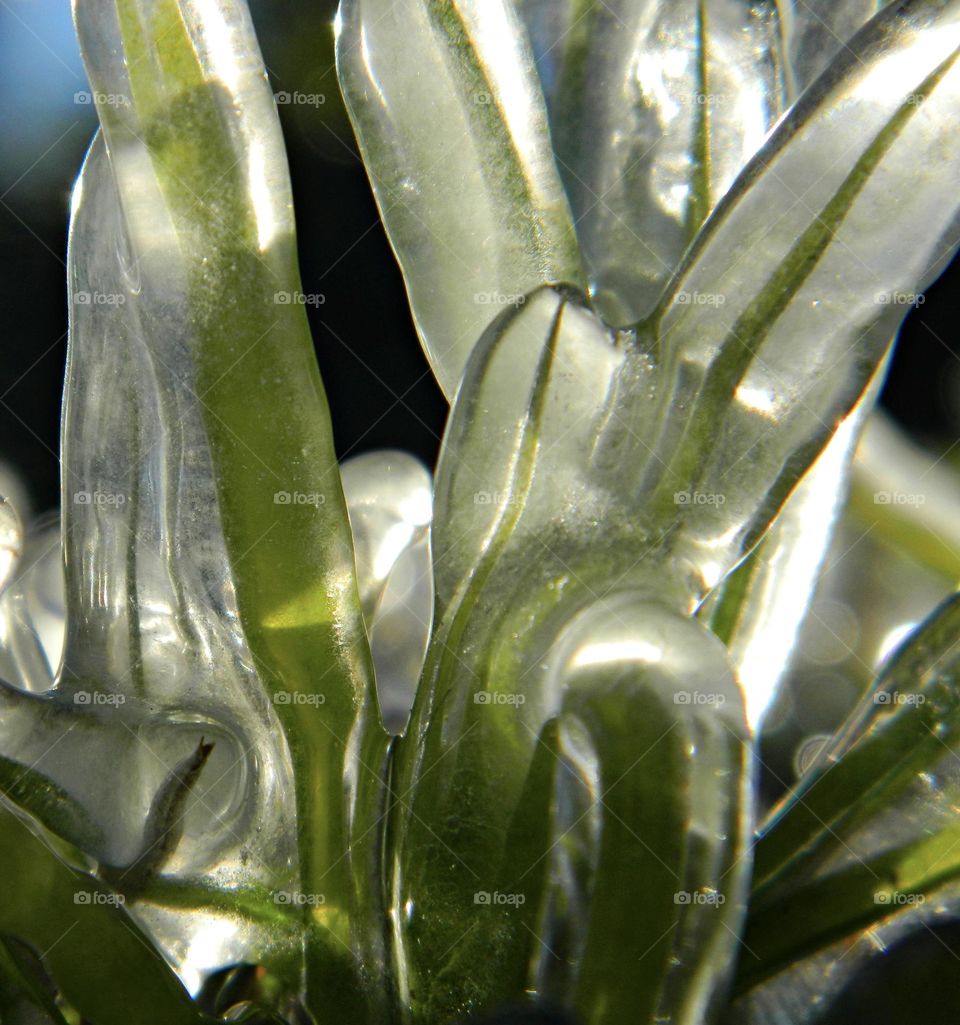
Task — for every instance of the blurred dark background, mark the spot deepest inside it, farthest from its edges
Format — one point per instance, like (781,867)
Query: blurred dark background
(380,389)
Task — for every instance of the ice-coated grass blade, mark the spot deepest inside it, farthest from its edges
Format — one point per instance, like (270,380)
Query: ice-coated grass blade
(613,879)
(644,860)
(49,804)
(762,605)
(453,132)
(201,487)
(523,481)
(525,449)
(390,500)
(654,108)
(644,175)
(788,299)
(759,610)
(154,661)
(904,726)
(867,842)
(94,952)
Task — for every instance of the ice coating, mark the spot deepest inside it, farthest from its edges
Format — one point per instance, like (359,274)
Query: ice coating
(389,496)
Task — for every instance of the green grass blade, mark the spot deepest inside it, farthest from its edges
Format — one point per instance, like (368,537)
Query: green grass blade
(98,958)
(195,149)
(521,558)
(868,836)
(761,606)
(654,109)
(786,302)
(453,132)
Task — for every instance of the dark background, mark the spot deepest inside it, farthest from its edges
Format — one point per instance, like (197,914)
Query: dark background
(380,390)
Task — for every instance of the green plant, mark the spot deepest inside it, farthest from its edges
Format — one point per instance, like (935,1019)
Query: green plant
(695,323)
